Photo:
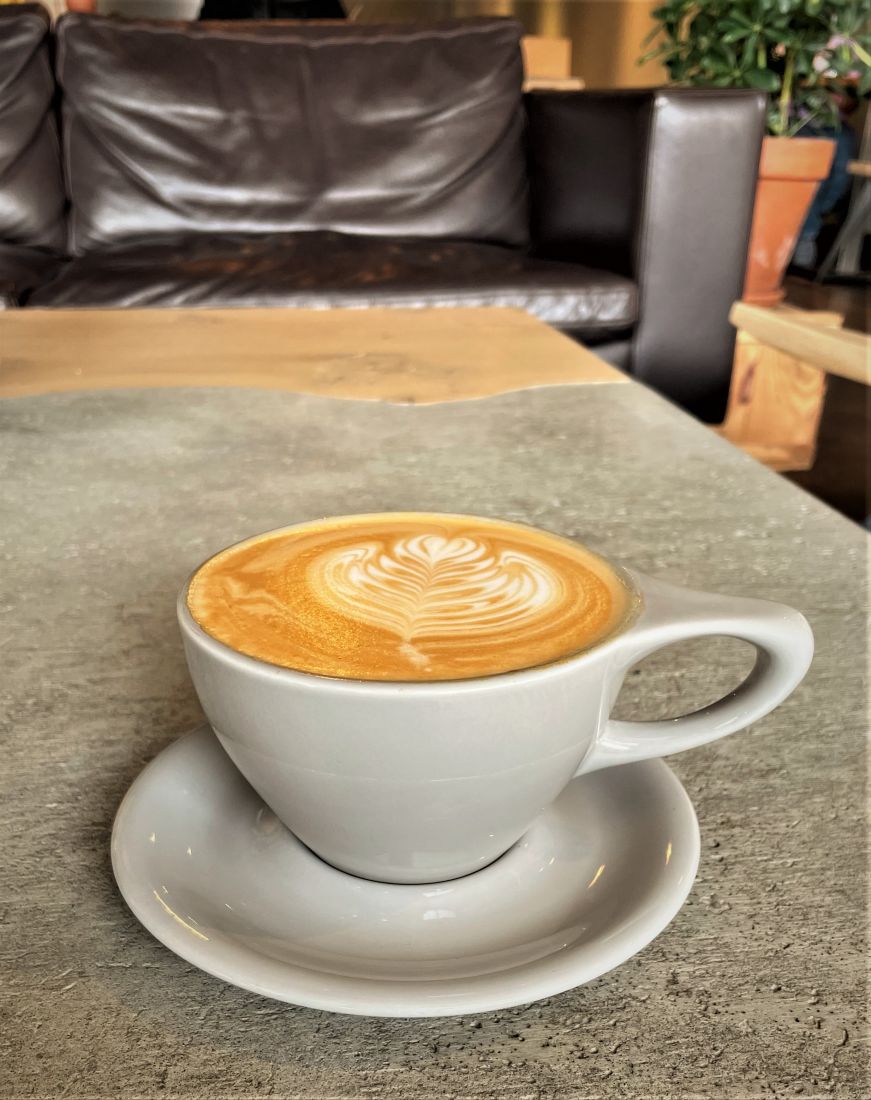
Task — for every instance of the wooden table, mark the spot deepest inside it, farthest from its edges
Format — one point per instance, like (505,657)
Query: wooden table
(408,356)
(110,497)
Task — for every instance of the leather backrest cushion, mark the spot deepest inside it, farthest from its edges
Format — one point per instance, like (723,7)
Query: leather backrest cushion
(31,181)
(583,144)
(400,130)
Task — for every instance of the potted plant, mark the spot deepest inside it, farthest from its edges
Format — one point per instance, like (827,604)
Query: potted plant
(803,53)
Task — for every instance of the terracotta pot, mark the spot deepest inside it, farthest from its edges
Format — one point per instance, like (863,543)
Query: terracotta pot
(790,172)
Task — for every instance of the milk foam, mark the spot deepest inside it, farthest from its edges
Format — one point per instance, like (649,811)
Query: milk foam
(408,596)
(429,585)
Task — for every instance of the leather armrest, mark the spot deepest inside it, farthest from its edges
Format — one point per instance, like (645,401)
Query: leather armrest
(657,185)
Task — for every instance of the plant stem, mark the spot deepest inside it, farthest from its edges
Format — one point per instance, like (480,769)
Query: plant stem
(786,93)
(863,55)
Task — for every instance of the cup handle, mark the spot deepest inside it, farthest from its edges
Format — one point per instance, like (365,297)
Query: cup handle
(784,648)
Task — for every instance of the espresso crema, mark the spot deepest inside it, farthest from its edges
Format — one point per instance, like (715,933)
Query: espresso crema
(408,596)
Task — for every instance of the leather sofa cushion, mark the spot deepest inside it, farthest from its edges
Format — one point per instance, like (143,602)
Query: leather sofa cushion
(323,269)
(393,130)
(32,196)
(21,269)
(583,204)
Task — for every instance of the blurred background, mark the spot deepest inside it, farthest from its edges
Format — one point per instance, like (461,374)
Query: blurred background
(606,35)
(601,44)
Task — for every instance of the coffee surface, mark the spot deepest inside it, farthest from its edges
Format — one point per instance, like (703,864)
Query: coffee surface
(408,596)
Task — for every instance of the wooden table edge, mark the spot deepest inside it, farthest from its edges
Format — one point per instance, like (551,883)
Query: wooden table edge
(398,356)
(13,394)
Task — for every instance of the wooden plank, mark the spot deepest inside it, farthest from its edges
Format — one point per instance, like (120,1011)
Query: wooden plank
(406,356)
(546,57)
(776,399)
(807,338)
(553,84)
(775,404)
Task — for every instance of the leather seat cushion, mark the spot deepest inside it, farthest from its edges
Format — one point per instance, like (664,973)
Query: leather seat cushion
(21,269)
(324,269)
(247,127)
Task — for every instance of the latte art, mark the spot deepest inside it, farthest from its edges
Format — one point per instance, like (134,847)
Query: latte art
(432,586)
(408,596)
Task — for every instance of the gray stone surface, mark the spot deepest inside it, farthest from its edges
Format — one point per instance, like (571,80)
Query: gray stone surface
(109,500)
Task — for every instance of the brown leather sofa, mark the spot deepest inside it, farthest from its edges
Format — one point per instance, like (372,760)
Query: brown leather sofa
(291,165)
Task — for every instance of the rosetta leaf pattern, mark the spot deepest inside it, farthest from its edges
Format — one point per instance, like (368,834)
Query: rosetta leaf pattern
(433,586)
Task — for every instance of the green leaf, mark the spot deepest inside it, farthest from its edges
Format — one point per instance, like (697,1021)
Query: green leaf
(733,42)
(728,55)
(648,38)
(763,79)
(748,54)
(776,35)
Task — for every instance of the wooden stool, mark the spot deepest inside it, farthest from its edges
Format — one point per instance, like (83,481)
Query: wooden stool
(782,358)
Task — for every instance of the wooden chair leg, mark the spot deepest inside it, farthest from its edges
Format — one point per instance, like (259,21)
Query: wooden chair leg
(854,223)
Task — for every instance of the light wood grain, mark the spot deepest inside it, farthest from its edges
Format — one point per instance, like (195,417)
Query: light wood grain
(554,84)
(546,57)
(547,64)
(404,356)
(808,337)
(776,399)
(860,168)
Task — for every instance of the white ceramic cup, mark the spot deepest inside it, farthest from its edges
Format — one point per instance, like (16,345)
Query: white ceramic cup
(421,782)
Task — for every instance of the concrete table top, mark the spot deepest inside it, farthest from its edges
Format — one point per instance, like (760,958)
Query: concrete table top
(110,498)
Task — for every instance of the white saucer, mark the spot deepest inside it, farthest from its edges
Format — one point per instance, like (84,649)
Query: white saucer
(211,872)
